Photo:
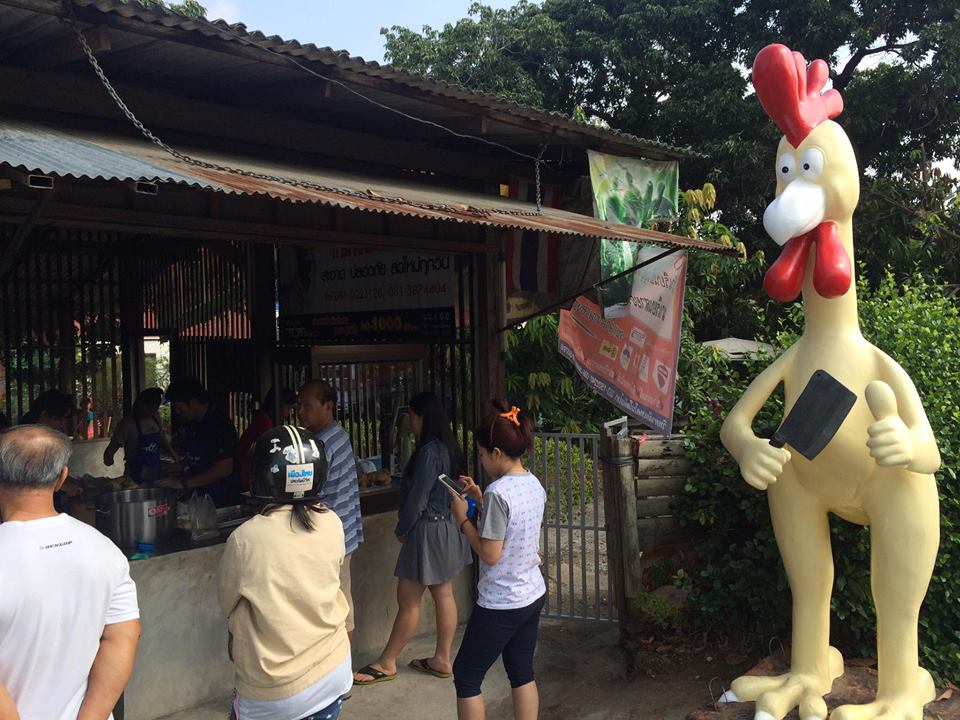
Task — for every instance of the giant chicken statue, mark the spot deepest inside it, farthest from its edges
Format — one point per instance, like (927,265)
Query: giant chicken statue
(877,467)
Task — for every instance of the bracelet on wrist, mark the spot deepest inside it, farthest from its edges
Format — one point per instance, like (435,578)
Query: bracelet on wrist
(462,523)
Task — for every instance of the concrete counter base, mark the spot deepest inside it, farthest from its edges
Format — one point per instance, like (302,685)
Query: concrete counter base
(182,659)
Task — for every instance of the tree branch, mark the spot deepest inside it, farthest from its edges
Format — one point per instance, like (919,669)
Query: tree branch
(841,80)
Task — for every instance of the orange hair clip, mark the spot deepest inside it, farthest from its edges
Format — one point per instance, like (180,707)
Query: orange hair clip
(512,415)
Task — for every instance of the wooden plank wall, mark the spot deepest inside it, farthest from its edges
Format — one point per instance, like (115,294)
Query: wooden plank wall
(661,473)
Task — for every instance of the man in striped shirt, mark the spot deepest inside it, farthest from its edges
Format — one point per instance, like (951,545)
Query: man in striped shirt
(316,408)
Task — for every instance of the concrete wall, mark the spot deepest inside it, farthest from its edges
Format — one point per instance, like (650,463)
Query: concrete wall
(182,660)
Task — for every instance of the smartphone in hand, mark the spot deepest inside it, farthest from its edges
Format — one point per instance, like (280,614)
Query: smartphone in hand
(451,484)
(458,487)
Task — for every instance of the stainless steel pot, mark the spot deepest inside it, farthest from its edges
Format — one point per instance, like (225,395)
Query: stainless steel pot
(129,517)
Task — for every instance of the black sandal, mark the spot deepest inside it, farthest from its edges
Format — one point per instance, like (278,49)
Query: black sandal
(377,675)
(423,665)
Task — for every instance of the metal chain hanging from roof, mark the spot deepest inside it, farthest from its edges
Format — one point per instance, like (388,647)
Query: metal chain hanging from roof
(306,184)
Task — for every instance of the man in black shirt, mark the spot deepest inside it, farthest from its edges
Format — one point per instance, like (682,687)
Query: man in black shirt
(209,443)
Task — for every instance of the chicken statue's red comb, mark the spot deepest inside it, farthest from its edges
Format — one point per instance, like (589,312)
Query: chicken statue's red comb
(790,91)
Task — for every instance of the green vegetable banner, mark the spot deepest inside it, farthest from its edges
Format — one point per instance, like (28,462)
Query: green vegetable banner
(634,192)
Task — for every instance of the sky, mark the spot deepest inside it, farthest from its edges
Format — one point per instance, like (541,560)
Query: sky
(352,25)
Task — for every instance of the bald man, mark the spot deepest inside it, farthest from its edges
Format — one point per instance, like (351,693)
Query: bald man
(317,409)
(68,608)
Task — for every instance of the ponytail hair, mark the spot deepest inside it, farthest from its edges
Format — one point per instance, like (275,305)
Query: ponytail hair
(506,428)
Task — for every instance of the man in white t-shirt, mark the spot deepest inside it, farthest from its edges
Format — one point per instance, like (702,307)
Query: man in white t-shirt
(69,621)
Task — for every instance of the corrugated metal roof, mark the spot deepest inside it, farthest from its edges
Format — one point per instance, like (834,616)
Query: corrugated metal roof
(341,59)
(36,148)
(33,147)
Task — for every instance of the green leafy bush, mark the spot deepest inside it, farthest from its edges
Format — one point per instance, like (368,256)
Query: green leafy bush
(741,582)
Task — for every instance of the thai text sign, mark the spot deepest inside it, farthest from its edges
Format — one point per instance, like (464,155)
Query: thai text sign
(350,294)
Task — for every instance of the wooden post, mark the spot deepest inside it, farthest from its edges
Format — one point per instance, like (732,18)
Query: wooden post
(491,348)
(132,358)
(262,299)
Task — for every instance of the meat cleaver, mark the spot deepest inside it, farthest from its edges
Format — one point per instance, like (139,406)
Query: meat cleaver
(817,415)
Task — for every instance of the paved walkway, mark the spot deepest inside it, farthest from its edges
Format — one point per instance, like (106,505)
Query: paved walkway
(579,669)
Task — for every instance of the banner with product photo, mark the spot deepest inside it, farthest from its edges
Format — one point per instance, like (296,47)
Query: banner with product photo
(627,348)
(629,191)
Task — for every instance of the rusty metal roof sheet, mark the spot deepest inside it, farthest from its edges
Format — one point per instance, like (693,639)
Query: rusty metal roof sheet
(33,147)
(237,33)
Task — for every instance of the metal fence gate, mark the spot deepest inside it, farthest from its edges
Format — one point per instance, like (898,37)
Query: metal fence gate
(574,541)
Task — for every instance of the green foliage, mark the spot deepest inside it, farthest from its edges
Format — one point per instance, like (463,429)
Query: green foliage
(663,615)
(540,379)
(188,8)
(742,581)
(505,51)
(910,222)
(567,473)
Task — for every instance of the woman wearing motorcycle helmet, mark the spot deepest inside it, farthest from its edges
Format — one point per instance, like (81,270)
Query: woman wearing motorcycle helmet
(280,588)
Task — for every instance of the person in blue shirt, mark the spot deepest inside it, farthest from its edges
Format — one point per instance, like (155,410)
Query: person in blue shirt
(316,410)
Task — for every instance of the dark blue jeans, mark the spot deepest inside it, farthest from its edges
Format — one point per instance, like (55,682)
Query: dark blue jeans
(490,634)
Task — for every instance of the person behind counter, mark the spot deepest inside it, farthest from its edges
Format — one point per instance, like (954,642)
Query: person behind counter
(261,421)
(53,408)
(433,552)
(317,408)
(511,591)
(56,410)
(279,586)
(209,444)
(68,607)
(141,437)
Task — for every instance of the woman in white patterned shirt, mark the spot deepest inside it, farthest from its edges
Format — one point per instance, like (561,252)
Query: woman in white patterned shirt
(511,591)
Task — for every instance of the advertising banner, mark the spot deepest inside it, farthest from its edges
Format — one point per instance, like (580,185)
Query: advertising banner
(343,295)
(629,191)
(631,360)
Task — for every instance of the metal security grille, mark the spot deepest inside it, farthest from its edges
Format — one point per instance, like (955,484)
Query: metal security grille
(374,380)
(574,540)
(196,295)
(59,310)
(369,393)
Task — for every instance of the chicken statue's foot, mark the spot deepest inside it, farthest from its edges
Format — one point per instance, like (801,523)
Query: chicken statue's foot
(777,696)
(899,704)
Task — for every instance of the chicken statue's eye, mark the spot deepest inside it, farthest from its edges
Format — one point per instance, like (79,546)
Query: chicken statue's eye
(786,167)
(811,164)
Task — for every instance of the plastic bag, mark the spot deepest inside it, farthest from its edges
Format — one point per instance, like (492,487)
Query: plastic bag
(203,517)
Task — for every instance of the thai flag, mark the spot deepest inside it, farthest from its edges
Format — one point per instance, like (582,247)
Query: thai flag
(531,256)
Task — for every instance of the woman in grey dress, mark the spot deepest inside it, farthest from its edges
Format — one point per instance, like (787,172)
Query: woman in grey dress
(433,552)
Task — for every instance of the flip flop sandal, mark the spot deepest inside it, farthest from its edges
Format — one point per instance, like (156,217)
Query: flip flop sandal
(423,665)
(377,675)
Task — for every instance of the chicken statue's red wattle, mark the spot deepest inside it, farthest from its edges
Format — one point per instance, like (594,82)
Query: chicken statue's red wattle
(832,272)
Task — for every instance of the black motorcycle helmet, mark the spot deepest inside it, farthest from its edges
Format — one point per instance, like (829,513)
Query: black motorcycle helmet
(289,466)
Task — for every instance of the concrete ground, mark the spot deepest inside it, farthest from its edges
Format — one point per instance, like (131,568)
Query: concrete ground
(580,671)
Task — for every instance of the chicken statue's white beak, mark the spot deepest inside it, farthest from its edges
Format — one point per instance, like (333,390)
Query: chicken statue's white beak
(799,209)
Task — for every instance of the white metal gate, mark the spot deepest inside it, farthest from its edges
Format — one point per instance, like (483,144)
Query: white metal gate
(574,540)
